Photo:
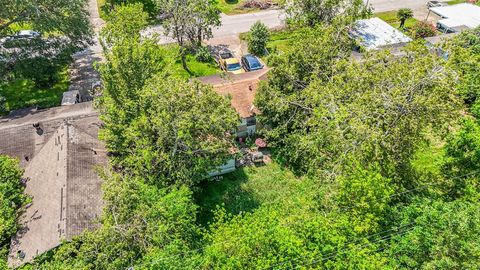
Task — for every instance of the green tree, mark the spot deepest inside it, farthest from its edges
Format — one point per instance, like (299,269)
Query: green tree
(148,6)
(326,109)
(464,56)
(125,22)
(189,22)
(11,199)
(63,24)
(311,12)
(178,134)
(258,38)
(137,218)
(445,236)
(404,14)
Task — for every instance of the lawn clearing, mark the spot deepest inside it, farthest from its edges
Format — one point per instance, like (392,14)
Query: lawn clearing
(248,188)
(231,7)
(390,17)
(429,157)
(198,69)
(22,93)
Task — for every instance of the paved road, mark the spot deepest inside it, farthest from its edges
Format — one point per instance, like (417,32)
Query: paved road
(235,24)
(387,5)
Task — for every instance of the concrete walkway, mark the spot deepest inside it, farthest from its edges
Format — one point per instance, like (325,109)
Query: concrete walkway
(82,71)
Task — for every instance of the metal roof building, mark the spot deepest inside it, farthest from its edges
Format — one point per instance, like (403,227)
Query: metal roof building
(458,17)
(375,33)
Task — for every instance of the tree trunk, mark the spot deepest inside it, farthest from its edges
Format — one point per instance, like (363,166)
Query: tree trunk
(184,61)
(402,23)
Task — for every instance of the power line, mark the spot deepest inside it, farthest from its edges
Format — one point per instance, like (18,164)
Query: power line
(348,243)
(283,200)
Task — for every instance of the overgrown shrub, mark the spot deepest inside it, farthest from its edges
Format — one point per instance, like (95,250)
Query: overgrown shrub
(203,55)
(40,70)
(423,30)
(258,38)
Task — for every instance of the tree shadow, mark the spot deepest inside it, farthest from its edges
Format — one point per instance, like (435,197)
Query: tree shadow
(231,2)
(226,192)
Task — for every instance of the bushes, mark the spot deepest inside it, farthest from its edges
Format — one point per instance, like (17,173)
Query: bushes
(423,30)
(11,198)
(258,38)
(203,55)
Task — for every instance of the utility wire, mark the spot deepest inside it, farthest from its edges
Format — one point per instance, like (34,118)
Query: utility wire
(275,201)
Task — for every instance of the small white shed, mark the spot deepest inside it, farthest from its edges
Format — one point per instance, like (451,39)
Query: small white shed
(457,17)
(375,33)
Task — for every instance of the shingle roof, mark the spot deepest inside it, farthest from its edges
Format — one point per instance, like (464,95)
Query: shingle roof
(59,160)
(240,87)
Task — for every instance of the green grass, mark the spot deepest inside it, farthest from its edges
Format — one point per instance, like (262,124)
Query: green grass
(281,40)
(22,93)
(101,9)
(391,18)
(197,68)
(248,188)
(455,2)
(429,157)
(232,7)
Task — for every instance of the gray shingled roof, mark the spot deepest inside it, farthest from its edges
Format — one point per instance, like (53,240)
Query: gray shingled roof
(60,161)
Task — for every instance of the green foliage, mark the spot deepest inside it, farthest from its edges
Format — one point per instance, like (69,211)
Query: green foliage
(464,56)
(311,12)
(322,109)
(423,30)
(203,55)
(445,236)
(125,23)
(64,27)
(258,38)
(109,6)
(176,133)
(403,14)
(11,199)
(22,93)
(137,218)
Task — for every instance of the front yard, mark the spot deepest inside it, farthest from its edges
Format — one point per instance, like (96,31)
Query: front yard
(23,93)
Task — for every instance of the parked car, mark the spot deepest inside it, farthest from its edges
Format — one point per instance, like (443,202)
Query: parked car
(229,63)
(251,62)
(27,34)
(431,4)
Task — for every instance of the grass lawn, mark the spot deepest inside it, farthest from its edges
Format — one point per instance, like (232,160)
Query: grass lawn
(454,2)
(23,93)
(248,188)
(280,40)
(391,18)
(429,157)
(197,68)
(231,7)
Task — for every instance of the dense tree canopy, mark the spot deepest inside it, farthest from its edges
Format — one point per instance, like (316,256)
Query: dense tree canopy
(311,12)
(351,129)
(328,109)
(64,29)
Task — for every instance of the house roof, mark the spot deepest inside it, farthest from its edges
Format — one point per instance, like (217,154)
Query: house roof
(458,15)
(375,33)
(240,87)
(59,160)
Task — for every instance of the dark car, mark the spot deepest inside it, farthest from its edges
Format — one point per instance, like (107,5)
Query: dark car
(251,62)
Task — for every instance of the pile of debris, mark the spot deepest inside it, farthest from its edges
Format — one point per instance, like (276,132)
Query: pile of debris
(260,4)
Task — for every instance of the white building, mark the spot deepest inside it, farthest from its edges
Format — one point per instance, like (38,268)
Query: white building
(375,34)
(457,17)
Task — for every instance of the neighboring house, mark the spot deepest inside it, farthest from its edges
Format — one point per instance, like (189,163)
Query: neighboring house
(59,150)
(374,33)
(241,88)
(459,17)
